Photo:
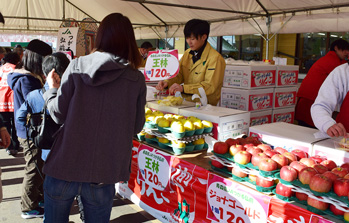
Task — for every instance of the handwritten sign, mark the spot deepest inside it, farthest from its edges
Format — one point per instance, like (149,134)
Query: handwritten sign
(231,202)
(161,65)
(154,168)
(67,38)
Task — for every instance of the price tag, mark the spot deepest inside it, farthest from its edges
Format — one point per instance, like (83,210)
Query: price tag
(231,202)
(161,65)
(154,168)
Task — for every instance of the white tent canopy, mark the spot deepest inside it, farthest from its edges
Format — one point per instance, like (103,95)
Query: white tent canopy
(159,18)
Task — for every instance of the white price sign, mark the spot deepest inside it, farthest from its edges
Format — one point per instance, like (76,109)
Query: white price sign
(154,168)
(161,65)
(230,202)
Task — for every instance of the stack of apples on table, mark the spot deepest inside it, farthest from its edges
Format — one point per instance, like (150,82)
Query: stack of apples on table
(322,177)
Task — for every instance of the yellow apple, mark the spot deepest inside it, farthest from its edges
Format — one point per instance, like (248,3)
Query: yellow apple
(149,118)
(167,116)
(177,144)
(148,111)
(188,125)
(163,140)
(198,124)
(192,118)
(158,118)
(199,141)
(177,126)
(158,113)
(207,124)
(178,117)
(163,123)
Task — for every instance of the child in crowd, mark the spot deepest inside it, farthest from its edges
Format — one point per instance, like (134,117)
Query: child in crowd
(35,102)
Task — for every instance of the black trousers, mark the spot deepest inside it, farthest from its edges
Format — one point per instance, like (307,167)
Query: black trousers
(9,121)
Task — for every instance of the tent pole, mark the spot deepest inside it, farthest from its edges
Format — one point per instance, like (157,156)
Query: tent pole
(27,14)
(63,10)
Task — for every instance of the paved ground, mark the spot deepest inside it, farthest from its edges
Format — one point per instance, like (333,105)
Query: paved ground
(12,177)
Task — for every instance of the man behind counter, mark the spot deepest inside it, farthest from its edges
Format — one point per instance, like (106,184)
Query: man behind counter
(200,66)
(144,50)
(317,74)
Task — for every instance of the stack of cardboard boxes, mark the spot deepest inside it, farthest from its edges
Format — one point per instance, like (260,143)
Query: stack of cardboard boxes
(267,91)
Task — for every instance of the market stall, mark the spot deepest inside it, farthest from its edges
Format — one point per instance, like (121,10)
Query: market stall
(190,187)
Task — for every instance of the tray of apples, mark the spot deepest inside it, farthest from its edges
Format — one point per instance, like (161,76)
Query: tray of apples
(320,183)
(250,153)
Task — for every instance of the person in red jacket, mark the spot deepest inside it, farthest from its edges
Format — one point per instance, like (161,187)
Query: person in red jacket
(317,74)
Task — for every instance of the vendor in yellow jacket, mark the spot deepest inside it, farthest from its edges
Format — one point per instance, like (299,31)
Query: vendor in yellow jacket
(200,66)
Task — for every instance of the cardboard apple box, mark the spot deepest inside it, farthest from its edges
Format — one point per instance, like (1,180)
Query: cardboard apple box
(326,148)
(261,117)
(284,97)
(283,115)
(249,76)
(247,100)
(285,135)
(286,75)
(228,123)
(169,109)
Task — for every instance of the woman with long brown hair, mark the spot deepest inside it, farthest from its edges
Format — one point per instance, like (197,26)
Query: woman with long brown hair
(100,100)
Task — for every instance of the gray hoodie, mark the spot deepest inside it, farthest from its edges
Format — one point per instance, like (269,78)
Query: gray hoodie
(101,103)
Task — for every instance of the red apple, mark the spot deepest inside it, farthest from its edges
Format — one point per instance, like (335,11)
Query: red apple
(317,204)
(280,150)
(267,164)
(339,171)
(220,147)
(305,175)
(298,166)
(331,175)
(288,173)
(335,210)
(242,157)
(217,164)
(249,145)
(238,172)
(308,161)
(320,183)
(301,196)
(253,178)
(320,168)
(234,149)
(255,150)
(329,164)
(263,182)
(254,140)
(257,157)
(341,187)
(264,146)
(300,154)
(270,152)
(231,141)
(242,141)
(290,156)
(345,165)
(284,190)
(280,160)
(318,158)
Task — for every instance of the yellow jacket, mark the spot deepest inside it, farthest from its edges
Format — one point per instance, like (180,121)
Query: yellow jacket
(207,72)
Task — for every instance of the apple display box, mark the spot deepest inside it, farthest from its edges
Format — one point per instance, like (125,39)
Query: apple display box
(286,75)
(247,100)
(283,115)
(327,149)
(227,123)
(249,76)
(284,97)
(285,135)
(169,109)
(261,117)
